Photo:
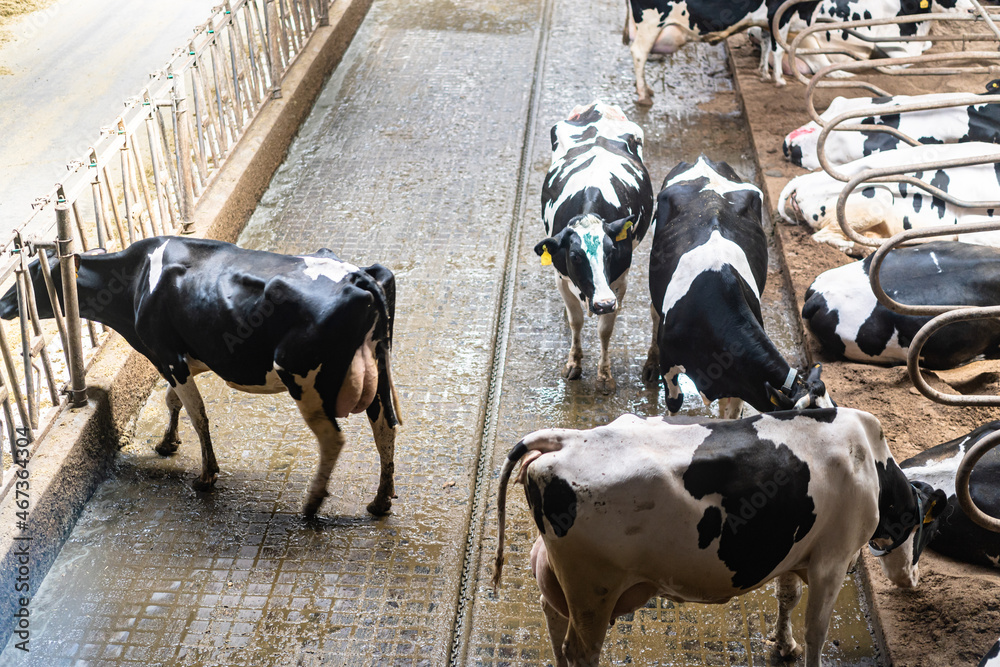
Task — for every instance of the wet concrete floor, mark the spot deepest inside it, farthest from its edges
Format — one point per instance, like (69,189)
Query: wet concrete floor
(426,153)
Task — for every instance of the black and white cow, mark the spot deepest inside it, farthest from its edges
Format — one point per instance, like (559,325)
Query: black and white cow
(664,26)
(707,269)
(882,209)
(935,126)
(848,321)
(847,47)
(703,511)
(957,536)
(314,326)
(597,202)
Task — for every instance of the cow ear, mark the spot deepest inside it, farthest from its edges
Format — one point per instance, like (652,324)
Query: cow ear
(937,504)
(814,372)
(993,87)
(545,249)
(76,262)
(620,230)
(777,398)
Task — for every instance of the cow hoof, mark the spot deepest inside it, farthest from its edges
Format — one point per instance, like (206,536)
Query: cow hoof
(201,484)
(572,372)
(644,100)
(650,373)
(790,653)
(379,506)
(167,446)
(311,506)
(606,385)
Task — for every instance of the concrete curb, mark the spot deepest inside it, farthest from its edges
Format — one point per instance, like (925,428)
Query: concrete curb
(864,564)
(82,444)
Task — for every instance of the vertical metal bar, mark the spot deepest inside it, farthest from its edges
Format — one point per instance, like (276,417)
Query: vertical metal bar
(50,289)
(67,265)
(22,307)
(15,385)
(39,342)
(99,211)
(169,182)
(85,246)
(324,13)
(140,176)
(126,185)
(113,196)
(272,47)
(161,194)
(183,145)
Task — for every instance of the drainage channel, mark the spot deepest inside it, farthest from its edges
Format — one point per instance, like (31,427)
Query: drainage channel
(425,152)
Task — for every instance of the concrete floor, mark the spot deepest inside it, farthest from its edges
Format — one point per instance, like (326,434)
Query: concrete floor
(71,65)
(425,152)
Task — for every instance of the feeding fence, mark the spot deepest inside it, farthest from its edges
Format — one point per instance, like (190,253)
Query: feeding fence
(979,37)
(141,178)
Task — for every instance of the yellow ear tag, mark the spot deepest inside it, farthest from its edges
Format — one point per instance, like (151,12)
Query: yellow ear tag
(546,258)
(924,4)
(624,233)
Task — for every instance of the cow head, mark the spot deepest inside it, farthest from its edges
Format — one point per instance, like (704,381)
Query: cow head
(592,254)
(908,520)
(8,302)
(801,394)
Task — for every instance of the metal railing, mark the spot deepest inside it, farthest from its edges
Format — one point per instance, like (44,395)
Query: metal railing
(929,64)
(141,178)
(862,31)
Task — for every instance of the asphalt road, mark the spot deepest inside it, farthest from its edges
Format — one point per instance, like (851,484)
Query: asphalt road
(70,67)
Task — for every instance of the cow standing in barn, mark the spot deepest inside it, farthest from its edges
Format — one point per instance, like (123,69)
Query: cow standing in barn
(703,511)
(664,26)
(314,326)
(597,202)
(707,269)
(843,314)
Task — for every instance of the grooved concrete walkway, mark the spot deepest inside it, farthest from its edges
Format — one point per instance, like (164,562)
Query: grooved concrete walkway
(412,158)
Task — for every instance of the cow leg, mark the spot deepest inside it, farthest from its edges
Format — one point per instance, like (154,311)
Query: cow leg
(557,625)
(789,592)
(168,445)
(645,37)
(824,585)
(574,314)
(190,397)
(586,631)
(385,442)
(605,327)
(330,439)
(675,398)
(651,369)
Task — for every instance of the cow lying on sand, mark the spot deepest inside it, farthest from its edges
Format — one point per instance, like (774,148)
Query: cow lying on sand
(705,511)
(597,202)
(936,126)
(957,536)
(842,312)
(314,326)
(707,270)
(883,209)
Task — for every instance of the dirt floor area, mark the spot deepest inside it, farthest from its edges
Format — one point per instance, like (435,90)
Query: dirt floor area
(953,617)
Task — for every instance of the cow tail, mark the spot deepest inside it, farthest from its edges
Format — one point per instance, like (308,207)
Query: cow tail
(520,449)
(783,200)
(383,290)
